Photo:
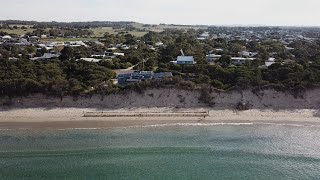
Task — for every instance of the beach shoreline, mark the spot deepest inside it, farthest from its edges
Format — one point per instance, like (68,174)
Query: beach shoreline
(73,118)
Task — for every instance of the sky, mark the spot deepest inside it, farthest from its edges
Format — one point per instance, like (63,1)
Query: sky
(204,12)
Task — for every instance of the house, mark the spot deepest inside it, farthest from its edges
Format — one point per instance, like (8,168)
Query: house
(289,48)
(270,61)
(13,59)
(99,43)
(34,39)
(204,36)
(40,46)
(6,37)
(223,36)
(118,54)
(112,48)
(185,60)
(46,56)
(109,55)
(288,61)
(211,58)
(104,55)
(182,60)
(23,42)
(152,48)
(125,47)
(240,60)
(100,55)
(138,76)
(219,49)
(247,54)
(214,36)
(90,60)
(75,44)
(55,44)
(159,44)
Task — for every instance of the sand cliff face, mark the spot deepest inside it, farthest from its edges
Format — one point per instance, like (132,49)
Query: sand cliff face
(266,99)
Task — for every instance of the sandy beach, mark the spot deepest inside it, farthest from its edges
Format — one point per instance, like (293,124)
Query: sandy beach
(65,118)
(267,106)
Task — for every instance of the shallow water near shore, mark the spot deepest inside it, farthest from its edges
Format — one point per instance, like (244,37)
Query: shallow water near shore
(195,151)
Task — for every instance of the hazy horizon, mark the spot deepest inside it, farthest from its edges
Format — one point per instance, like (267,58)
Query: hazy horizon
(201,12)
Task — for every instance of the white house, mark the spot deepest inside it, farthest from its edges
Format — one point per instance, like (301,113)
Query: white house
(75,44)
(204,36)
(90,60)
(152,48)
(104,55)
(219,49)
(270,61)
(7,37)
(99,43)
(118,54)
(112,48)
(289,48)
(247,54)
(158,44)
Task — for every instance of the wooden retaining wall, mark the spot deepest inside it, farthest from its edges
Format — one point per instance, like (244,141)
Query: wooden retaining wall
(146,114)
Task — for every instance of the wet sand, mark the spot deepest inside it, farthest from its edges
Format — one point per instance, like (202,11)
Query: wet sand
(73,118)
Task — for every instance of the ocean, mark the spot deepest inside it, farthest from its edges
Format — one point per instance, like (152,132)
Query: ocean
(178,151)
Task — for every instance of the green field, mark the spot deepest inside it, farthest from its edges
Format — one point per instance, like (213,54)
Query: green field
(67,39)
(17,31)
(99,32)
(163,27)
(138,33)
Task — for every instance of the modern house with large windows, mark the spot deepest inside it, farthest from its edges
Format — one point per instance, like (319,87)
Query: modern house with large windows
(137,76)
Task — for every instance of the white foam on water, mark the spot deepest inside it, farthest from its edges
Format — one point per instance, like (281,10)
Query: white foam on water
(191,124)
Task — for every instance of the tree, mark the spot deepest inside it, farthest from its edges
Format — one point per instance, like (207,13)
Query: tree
(225,60)
(67,53)
(130,40)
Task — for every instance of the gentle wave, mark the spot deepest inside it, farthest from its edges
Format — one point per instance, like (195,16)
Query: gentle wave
(288,124)
(220,124)
(191,124)
(181,125)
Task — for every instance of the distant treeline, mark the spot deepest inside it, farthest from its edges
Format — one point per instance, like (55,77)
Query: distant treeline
(54,24)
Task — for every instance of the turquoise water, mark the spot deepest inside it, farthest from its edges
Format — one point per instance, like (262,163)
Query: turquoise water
(216,151)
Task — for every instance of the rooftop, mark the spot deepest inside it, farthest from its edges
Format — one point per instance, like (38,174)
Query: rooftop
(185,58)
